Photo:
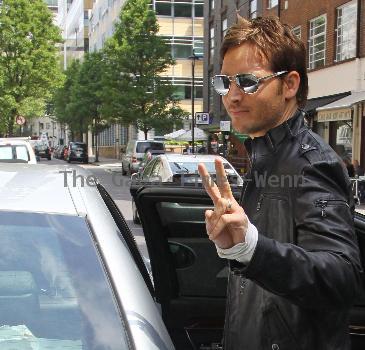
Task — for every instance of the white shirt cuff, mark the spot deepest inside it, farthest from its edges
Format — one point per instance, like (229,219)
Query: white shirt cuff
(242,252)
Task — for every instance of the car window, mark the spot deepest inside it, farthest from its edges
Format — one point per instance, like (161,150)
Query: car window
(152,146)
(192,167)
(53,290)
(6,152)
(148,169)
(14,152)
(156,168)
(75,146)
(22,152)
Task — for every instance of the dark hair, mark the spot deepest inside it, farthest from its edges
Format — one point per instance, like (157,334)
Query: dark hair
(275,43)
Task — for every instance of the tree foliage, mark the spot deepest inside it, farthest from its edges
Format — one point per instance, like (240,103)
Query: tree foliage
(135,57)
(29,59)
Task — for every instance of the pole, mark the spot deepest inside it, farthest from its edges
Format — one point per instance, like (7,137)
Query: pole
(192,101)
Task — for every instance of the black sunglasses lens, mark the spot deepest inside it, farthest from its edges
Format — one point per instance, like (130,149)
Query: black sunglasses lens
(247,82)
(221,84)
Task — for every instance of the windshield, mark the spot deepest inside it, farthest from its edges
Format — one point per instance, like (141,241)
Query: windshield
(53,291)
(142,147)
(11,153)
(80,146)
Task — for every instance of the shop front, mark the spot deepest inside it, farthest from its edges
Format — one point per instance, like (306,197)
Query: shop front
(341,124)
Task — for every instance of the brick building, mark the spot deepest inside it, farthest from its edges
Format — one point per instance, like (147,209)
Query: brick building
(334,34)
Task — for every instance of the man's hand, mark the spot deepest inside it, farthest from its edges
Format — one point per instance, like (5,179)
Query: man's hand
(227,223)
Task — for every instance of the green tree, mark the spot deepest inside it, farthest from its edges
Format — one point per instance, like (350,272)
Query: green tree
(64,109)
(135,57)
(29,59)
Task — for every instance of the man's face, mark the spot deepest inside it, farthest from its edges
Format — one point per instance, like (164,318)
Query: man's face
(257,113)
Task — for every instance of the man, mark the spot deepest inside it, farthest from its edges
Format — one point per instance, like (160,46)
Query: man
(293,257)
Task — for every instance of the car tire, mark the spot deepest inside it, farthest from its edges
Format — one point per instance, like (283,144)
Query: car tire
(68,160)
(49,158)
(136,219)
(123,171)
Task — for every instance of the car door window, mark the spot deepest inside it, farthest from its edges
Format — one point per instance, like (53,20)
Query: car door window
(147,171)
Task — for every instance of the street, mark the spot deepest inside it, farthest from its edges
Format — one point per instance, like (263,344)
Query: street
(118,187)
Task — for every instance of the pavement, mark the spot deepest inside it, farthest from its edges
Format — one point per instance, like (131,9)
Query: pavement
(105,162)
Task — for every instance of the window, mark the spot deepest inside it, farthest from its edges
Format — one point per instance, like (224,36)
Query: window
(273,3)
(199,10)
(182,46)
(224,27)
(163,8)
(346,31)
(211,6)
(297,31)
(211,41)
(253,8)
(182,10)
(317,42)
(48,126)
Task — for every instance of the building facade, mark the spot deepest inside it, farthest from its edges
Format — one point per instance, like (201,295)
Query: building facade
(333,32)
(182,26)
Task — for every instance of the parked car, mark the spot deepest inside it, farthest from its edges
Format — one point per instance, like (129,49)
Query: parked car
(181,169)
(135,151)
(16,150)
(77,151)
(41,149)
(71,275)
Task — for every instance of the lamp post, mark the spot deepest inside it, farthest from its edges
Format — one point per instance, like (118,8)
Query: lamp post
(193,58)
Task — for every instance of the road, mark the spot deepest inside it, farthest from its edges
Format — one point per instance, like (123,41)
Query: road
(118,187)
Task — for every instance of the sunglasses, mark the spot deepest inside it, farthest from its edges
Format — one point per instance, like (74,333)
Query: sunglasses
(247,82)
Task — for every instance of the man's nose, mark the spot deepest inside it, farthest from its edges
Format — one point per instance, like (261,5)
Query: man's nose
(235,93)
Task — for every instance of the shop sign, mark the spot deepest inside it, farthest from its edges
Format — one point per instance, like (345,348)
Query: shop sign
(334,115)
(225,125)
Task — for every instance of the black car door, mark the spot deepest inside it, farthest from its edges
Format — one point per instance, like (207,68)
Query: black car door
(190,279)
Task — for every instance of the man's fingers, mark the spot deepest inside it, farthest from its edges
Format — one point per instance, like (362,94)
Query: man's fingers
(222,181)
(209,184)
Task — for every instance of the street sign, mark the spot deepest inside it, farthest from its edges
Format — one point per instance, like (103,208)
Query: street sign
(225,125)
(20,120)
(201,118)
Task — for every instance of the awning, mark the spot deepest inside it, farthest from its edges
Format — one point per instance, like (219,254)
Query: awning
(314,103)
(346,102)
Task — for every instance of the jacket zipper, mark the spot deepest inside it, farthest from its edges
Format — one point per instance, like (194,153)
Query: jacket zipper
(324,203)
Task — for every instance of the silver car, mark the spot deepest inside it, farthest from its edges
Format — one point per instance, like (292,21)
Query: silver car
(71,276)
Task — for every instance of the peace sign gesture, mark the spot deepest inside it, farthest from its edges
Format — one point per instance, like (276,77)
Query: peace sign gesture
(227,223)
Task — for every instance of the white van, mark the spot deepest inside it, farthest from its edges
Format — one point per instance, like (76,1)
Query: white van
(135,151)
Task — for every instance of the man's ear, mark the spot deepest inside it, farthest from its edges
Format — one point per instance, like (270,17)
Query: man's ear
(291,84)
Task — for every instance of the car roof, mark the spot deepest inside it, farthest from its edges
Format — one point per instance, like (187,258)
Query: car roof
(13,142)
(41,188)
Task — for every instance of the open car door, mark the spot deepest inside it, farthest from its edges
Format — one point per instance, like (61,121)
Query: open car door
(190,279)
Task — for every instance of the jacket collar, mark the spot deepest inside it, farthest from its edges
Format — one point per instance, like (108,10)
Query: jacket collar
(267,144)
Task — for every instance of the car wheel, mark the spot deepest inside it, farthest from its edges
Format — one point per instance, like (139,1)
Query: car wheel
(123,171)
(68,160)
(136,219)
(49,158)
(86,161)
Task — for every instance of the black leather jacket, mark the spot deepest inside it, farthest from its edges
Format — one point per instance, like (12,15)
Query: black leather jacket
(296,291)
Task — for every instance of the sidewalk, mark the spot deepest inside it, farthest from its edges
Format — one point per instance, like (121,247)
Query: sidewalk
(105,162)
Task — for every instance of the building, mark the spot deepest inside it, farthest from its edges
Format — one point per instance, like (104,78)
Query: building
(182,25)
(334,34)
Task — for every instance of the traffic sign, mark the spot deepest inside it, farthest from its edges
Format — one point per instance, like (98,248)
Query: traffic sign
(20,120)
(201,118)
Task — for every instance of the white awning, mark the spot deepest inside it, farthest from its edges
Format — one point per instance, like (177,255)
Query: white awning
(344,103)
